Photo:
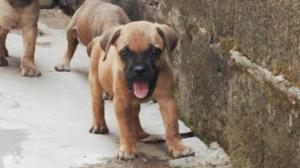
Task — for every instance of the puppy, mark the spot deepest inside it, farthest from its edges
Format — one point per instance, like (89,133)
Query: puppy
(92,19)
(23,14)
(130,63)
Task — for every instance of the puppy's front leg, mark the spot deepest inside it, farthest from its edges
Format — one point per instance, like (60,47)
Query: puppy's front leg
(168,109)
(99,124)
(123,111)
(29,40)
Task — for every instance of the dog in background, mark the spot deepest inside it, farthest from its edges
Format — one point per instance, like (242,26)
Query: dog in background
(89,21)
(130,63)
(22,14)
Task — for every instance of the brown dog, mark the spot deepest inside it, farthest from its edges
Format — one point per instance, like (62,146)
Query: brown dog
(92,19)
(130,63)
(23,14)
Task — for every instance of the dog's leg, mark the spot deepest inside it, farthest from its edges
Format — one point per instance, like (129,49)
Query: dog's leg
(168,109)
(28,67)
(99,125)
(3,50)
(136,124)
(72,45)
(138,129)
(128,139)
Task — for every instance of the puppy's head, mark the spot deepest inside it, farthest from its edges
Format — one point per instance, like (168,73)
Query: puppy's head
(140,46)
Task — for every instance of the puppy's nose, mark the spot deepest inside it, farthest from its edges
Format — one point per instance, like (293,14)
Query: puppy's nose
(139,69)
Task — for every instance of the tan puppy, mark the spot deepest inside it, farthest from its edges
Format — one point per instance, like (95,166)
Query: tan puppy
(90,20)
(130,63)
(23,14)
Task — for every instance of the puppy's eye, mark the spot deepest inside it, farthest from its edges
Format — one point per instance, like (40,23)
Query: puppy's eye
(156,51)
(125,53)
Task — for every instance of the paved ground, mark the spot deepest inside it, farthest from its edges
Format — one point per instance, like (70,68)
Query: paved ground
(44,121)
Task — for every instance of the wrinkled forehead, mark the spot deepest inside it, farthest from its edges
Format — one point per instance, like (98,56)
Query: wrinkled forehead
(139,37)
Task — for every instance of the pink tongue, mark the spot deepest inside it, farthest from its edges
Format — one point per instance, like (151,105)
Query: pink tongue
(140,89)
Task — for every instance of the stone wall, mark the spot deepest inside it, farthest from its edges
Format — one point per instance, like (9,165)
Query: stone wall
(251,107)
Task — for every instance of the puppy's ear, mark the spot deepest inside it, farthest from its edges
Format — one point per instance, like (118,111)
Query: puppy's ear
(169,37)
(108,39)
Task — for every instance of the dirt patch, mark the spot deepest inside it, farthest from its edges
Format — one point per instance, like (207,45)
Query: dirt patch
(142,161)
(54,18)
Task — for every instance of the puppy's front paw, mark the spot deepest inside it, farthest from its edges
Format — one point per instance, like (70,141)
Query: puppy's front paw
(99,129)
(30,71)
(3,61)
(181,150)
(62,68)
(126,155)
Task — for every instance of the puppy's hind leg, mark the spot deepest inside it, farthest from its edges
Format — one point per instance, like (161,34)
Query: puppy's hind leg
(136,124)
(139,131)
(72,45)
(99,124)
(3,50)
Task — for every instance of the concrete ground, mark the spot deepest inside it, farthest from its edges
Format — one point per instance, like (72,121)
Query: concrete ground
(44,121)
